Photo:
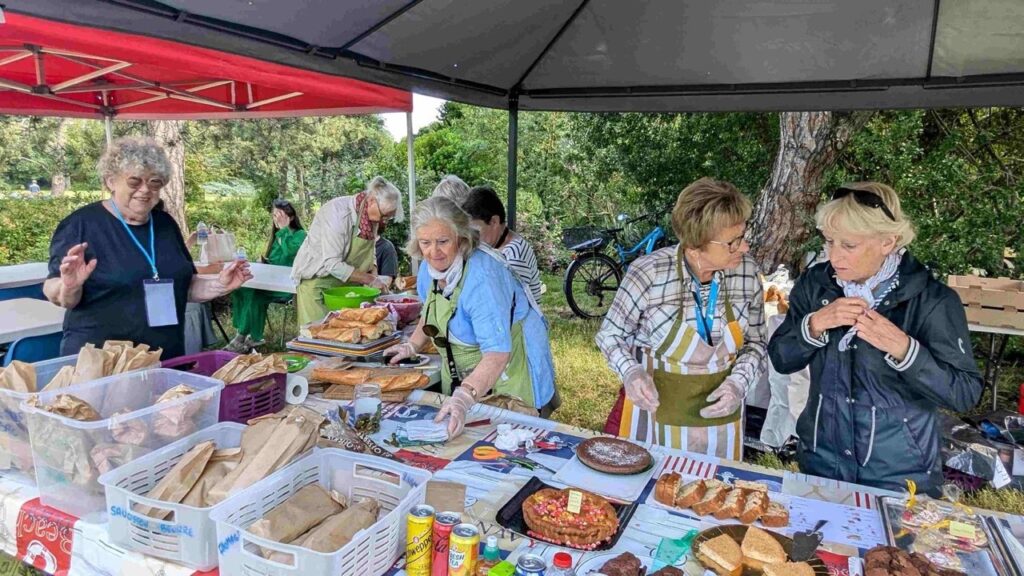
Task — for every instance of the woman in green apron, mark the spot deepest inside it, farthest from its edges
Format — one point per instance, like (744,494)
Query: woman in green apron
(249,305)
(488,329)
(340,247)
(685,332)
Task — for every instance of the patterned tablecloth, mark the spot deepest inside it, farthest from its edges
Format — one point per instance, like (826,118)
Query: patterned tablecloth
(60,544)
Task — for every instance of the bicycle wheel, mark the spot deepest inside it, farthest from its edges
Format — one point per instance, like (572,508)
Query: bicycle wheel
(590,284)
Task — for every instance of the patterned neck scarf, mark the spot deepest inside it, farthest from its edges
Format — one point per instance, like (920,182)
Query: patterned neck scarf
(869,291)
(366,231)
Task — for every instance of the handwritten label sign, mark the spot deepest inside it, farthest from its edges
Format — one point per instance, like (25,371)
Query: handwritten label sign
(575,501)
(961,530)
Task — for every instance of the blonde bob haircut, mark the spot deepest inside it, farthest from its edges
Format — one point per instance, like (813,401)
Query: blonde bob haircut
(847,216)
(443,210)
(706,207)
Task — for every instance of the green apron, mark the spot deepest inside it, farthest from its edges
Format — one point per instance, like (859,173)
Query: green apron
(309,295)
(514,381)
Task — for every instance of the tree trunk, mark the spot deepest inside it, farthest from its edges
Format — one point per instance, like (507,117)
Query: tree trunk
(168,134)
(303,195)
(60,179)
(282,180)
(809,144)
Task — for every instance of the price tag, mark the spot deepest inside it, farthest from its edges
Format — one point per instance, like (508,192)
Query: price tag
(961,530)
(575,501)
(1018,462)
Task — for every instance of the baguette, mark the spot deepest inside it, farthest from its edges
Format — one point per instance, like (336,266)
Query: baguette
(691,494)
(364,315)
(349,377)
(733,504)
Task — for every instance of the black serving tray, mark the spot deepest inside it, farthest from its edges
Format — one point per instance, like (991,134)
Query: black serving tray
(511,515)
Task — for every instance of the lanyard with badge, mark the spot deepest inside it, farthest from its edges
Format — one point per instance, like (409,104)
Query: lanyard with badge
(706,316)
(160,305)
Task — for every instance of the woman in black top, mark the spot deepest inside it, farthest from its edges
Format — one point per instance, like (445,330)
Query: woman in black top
(121,268)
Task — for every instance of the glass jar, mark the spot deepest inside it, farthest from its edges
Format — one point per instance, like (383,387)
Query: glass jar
(367,408)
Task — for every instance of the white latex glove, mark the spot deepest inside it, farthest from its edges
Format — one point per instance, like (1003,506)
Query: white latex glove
(455,409)
(726,399)
(400,352)
(382,282)
(640,388)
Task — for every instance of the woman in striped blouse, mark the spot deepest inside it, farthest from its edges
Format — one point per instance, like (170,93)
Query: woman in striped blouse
(685,332)
(487,215)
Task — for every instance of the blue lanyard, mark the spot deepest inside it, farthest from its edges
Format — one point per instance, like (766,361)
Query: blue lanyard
(706,316)
(151,255)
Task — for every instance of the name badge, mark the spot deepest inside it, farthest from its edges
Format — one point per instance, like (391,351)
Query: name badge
(160,307)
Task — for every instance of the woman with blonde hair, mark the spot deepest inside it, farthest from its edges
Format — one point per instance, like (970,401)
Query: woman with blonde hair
(887,345)
(489,331)
(685,332)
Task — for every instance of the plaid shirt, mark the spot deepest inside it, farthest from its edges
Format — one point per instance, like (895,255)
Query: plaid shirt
(648,301)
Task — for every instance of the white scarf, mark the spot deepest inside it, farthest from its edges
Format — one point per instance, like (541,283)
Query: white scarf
(451,276)
(866,290)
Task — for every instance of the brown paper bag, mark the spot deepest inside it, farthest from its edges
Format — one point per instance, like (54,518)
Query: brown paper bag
(133,431)
(250,367)
(176,421)
(93,363)
(294,435)
(72,407)
(62,379)
(179,480)
(18,376)
(221,463)
(106,457)
(333,533)
(295,516)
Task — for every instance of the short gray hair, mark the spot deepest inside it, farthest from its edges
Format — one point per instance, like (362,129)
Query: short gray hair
(453,188)
(130,153)
(388,196)
(443,210)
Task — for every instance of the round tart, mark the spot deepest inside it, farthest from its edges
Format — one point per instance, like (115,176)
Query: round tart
(546,514)
(614,456)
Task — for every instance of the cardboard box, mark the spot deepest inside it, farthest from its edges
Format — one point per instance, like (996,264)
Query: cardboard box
(996,302)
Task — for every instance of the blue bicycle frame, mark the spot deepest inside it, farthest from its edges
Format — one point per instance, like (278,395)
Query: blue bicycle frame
(646,246)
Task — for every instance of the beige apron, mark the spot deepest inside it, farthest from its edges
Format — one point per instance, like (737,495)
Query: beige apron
(686,369)
(309,295)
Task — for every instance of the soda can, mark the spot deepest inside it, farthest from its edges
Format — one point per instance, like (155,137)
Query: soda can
(419,540)
(443,525)
(531,565)
(463,549)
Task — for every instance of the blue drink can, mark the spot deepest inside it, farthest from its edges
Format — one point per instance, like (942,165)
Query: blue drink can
(531,565)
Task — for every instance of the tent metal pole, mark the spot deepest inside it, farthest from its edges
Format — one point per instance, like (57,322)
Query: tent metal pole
(107,129)
(513,146)
(410,151)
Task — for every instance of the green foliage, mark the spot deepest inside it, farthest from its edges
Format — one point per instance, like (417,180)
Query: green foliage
(27,225)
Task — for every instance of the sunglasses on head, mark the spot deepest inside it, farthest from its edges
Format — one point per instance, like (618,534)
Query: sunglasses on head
(864,198)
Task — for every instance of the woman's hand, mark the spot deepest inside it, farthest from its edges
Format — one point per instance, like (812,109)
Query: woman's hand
(640,389)
(455,409)
(725,399)
(234,275)
(841,312)
(878,331)
(400,352)
(73,269)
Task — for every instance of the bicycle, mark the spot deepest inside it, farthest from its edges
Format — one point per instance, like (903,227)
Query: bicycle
(593,276)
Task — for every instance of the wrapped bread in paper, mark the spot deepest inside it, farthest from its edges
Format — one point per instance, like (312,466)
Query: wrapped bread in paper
(18,376)
(221,463)
(93,363)
(62,379)
(295,516)
(176,421)
(179,480)
(64,450)
(132,431)
(130,357)
(72,407)
(250,367)
(405,283)
(338,530)
(349,376)
(294,434)
(106,457)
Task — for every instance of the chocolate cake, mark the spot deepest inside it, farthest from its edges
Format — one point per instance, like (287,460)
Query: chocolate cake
(613,455)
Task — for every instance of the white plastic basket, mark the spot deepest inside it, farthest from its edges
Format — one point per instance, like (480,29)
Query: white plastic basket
(189,536)
(371,552)
(67,471)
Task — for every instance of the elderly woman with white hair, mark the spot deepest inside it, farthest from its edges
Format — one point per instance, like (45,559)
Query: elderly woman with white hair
(340,247)
(453,188)
(121,268)
(887,345)
(488,329)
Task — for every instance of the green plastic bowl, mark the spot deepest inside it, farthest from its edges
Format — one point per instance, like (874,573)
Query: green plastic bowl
(349,296)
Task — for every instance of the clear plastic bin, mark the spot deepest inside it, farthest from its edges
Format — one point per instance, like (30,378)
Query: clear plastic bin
(15,450)
(371,552)
(71,454)
(188,536)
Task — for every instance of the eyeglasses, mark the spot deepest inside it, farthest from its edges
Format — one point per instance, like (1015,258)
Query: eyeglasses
(733,245)
(134,182)
(864,198)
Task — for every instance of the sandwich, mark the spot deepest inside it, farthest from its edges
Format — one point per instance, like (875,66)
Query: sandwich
(789,569)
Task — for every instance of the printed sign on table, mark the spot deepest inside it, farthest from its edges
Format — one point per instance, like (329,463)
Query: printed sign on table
(45,537)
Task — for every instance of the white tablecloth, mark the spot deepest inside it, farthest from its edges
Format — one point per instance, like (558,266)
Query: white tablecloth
(24,317)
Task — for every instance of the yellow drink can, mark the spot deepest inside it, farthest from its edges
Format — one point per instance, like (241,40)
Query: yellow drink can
(463,550)
(419,540)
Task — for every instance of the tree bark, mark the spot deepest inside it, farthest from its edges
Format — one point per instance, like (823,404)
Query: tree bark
(809,144)
(303,195)
(168,134)
(60,179)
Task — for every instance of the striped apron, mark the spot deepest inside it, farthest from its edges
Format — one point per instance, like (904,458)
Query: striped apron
(686,369)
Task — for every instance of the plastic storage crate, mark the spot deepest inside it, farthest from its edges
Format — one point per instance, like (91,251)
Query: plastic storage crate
(70,454)
(189,536)
(14,443)
(242,401)
(371,552)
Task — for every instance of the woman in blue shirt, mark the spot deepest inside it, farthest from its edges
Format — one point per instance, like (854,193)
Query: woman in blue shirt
(489,330)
